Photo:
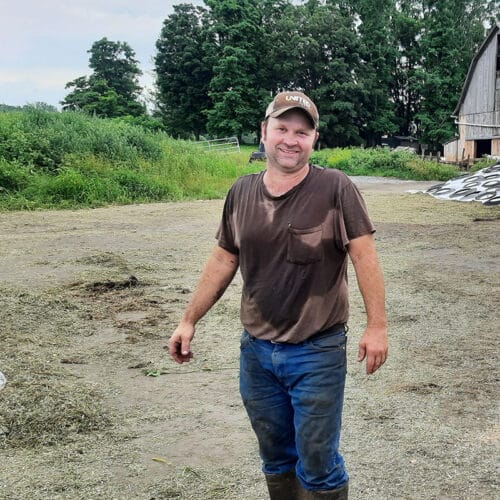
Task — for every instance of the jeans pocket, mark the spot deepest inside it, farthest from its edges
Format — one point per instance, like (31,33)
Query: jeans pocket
(329,342)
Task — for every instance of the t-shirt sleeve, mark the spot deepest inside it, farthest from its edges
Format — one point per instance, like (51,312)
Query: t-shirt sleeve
(225,232)
(355,219)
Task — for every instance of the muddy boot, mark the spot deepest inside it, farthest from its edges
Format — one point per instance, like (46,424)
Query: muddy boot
(337,494)
(282,486)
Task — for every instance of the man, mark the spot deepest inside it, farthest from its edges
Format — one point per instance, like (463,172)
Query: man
(290,230)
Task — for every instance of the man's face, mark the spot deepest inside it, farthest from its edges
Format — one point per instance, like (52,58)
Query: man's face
(289,141)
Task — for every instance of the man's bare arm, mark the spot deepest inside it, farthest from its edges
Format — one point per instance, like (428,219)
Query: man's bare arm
(374,344)
(215,278)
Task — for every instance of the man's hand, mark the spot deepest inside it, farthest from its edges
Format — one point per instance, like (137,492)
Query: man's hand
(179,345)
(216,276)
(374,346)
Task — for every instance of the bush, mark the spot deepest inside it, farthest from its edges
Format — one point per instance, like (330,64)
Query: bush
(13,177)
(42,139)
(383,162)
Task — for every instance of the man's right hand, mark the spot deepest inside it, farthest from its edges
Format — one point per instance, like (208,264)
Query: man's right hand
(216,276)
(179,345)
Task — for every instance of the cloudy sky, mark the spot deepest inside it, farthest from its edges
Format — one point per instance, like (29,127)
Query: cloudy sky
(44,43)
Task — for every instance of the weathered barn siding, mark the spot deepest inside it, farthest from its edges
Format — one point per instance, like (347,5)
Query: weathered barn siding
(495,147)
(480,95)
(472,133)
(478,110)
(450,150)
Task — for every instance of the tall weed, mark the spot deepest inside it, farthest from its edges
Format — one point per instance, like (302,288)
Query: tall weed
(50,159)
(42,139)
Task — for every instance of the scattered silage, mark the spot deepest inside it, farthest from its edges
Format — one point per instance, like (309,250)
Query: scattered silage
(45,412)
(42,403)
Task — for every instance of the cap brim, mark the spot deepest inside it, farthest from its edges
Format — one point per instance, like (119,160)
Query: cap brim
(279,112)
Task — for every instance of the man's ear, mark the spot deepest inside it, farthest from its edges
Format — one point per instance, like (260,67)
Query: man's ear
(316,139)
(263,130)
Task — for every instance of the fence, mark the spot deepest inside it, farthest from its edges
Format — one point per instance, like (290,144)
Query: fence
(225,145)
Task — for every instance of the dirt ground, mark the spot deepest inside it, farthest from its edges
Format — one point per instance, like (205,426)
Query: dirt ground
(94,408)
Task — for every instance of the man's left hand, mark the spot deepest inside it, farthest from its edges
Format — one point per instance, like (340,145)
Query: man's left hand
(374,347)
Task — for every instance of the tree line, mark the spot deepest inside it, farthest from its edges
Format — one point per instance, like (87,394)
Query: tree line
(373,67)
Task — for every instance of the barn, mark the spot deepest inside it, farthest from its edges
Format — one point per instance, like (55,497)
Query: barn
(477,114)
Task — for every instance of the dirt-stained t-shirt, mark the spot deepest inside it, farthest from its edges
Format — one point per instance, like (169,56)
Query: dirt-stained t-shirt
(293,251)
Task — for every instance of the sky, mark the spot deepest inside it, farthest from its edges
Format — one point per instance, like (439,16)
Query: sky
(44,43)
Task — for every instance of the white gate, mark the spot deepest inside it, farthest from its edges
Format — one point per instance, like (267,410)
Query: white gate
(225,145)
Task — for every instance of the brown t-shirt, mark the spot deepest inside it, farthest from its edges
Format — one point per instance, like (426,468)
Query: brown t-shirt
(293,251)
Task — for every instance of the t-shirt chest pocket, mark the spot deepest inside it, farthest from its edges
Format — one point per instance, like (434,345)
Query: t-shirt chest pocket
(304,245)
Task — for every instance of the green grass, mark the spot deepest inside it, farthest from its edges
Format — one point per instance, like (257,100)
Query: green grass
(71,160)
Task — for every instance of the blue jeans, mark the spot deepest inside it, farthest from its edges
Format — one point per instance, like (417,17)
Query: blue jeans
(293,394)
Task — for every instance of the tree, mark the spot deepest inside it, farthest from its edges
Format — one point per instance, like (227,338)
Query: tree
(277,65)
(406,28)
(378,53)
(183,71)
(112,89)
(278,58)
(452,32)
(327,54)
(373,67)
(435,40)
(236,87)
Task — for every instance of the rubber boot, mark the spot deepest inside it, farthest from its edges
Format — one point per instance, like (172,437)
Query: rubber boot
(337,494)
(282,486)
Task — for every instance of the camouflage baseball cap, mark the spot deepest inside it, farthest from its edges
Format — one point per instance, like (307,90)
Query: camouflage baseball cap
(284,101)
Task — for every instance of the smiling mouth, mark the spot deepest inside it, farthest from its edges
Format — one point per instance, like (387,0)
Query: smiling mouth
(288,151)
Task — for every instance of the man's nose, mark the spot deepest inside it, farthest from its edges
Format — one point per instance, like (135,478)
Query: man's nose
(290,138)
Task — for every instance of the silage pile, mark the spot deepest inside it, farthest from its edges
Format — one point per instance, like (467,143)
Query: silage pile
(482,186)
